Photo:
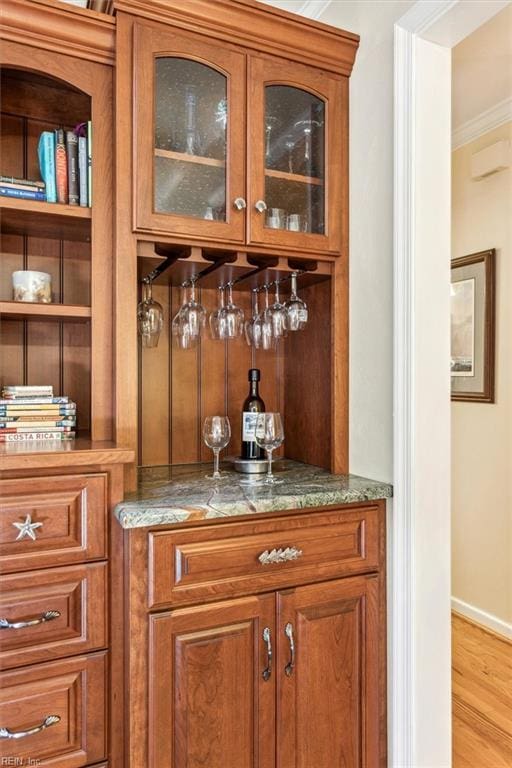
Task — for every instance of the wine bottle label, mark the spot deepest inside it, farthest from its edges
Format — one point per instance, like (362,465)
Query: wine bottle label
(249,419)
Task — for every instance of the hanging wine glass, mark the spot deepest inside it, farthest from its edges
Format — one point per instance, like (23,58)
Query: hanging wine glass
(217,321)
(150,316)
(232,317)
(277,315)
(296,309)
(193,312)
(252,327)
(188,321)
(263,325)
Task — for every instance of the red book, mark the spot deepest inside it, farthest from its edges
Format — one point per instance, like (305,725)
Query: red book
(61,166)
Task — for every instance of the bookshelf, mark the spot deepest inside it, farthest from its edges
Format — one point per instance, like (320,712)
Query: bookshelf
(67,343)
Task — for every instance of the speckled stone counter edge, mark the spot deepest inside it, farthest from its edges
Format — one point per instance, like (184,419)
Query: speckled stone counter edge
(188,497)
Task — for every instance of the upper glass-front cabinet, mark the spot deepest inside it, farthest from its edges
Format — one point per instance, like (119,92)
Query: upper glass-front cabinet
(190,136)
(199,174)
(296,159)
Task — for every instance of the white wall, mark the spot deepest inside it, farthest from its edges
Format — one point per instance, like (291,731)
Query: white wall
(371,231)
(482,433)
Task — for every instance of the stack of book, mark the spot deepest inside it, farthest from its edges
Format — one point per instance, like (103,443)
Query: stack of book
(65,163)
(33,413)
(11,186)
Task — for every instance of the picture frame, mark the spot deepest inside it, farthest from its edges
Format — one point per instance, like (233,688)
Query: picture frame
(473,327)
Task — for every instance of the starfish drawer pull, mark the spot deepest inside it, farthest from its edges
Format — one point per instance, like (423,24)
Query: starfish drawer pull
(27,528)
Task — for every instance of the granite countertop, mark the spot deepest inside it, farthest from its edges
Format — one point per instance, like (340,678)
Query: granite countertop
(167,495)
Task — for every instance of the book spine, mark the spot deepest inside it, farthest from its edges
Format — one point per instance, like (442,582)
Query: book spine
(72,153)
(24,402)
(56,413)
(89,163)
(22,182)
(22,194)
(25,187)
(25,437)
(61,166)
(46,154)
(82,169)
(28,426)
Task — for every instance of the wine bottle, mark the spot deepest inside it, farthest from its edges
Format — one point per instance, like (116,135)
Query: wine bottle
(253,405)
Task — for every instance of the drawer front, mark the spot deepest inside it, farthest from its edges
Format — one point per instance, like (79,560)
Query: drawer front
(58,712)
(52,521)
(52,613)
(189,566)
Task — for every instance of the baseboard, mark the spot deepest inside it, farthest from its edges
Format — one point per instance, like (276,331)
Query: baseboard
(487,620)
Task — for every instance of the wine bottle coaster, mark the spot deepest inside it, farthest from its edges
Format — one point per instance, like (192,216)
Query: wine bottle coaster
(249,466)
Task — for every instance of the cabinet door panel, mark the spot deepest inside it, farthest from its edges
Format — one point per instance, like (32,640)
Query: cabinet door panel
(189,135)
(328,705)
(297,155)
(210,706)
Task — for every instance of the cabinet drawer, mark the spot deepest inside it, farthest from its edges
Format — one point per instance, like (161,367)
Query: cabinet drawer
(64,609)
(52,521)
(70,692)
(194,565)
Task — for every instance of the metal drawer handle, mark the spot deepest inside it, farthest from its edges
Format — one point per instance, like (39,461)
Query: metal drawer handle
(5,733)
(46,616)
(268,669)
(239,203)
(288,630)
(270,557)
(27,528)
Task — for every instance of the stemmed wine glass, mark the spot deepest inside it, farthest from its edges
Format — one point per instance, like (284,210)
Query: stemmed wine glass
(252,326)
(277,315)
(150,316)
(232,317)
(296,309)
(289,143)
(270,122)
(189,320)
(216,435)
(263,325)
(217,322)
(269,435)
(307,128)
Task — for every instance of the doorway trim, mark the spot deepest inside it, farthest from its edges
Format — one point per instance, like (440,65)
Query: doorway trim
(419,553)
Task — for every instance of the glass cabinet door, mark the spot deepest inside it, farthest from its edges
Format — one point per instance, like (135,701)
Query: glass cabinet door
(296,156)
(189,106)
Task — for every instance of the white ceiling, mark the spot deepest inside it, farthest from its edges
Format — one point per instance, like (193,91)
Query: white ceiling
(482,69)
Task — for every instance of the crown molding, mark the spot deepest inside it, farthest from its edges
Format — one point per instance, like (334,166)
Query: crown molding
(486,121)
(59,27)
(313,9)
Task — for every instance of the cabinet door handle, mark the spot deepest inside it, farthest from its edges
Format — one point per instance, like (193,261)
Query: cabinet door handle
(260,206)
(46,616)
(272,556)
(239,203)
(5,733)
(288,630)
(268,669)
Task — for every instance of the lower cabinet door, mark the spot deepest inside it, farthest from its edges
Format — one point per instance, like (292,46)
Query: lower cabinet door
(212,686)
(328,709)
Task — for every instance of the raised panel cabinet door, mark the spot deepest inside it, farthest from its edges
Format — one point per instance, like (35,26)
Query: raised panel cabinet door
(297,155)
(189,136)
(212,686)
(328,675)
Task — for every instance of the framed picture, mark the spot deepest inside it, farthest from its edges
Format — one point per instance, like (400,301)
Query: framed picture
(473,327)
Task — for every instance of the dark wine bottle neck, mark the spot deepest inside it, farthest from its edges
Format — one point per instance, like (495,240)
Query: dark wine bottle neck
(254,389)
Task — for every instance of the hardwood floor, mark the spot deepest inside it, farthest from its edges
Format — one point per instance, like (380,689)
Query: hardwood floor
(482,696)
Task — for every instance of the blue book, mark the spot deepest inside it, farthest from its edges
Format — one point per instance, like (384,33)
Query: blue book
(46,154)
(24,194)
